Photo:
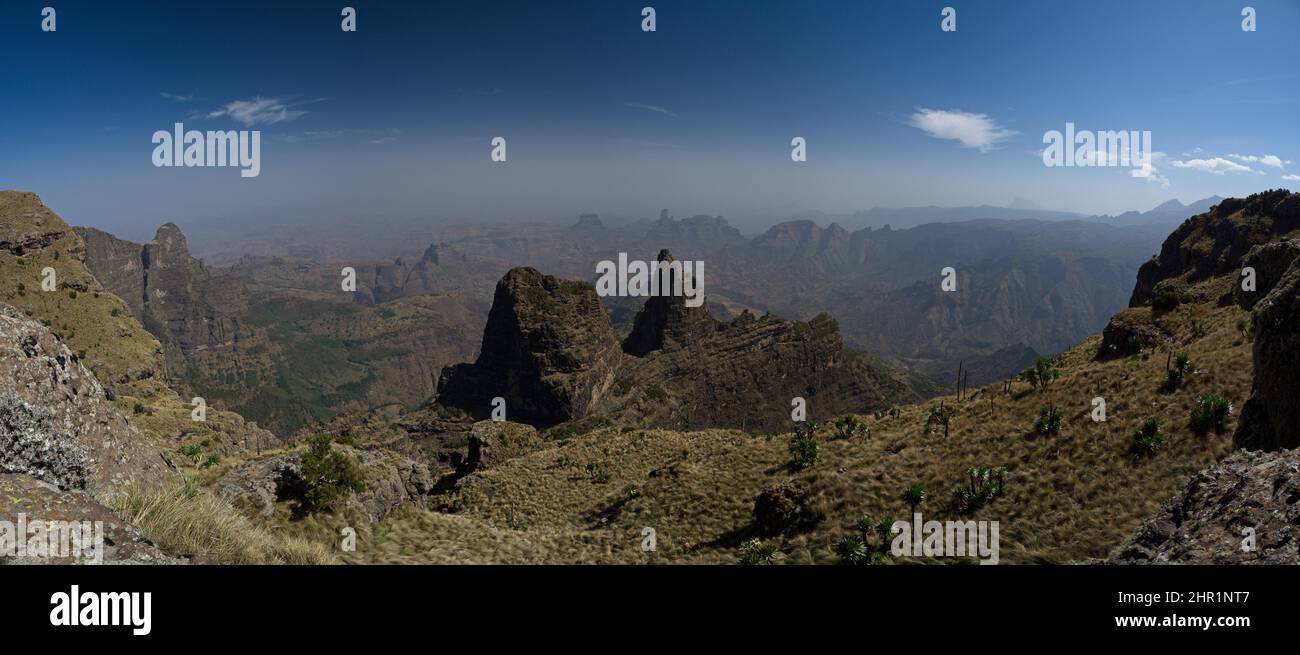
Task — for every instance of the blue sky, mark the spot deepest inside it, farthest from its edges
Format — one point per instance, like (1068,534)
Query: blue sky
(395,120)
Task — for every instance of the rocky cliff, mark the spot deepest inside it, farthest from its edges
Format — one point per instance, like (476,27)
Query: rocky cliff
(549,350)
(278,340)
(57,425)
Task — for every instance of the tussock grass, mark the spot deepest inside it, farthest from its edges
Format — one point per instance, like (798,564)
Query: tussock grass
(189,521)
(1072,496)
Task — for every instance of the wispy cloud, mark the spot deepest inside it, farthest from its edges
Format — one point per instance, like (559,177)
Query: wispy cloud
(1150,172)
(1216,165)
(1267,160)
(176,98)
(655,108)
(1292,176)
(970,129)
(261,111)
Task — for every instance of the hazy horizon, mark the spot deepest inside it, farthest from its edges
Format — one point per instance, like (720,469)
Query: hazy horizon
(394,121)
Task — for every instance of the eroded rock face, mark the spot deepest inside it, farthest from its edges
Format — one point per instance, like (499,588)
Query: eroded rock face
(391,479)
(1215,243)
(666,321)
(1270,419)
(41,501)
(548,349)
(1270,261)
(1205,524)
(55,422)
(493,442)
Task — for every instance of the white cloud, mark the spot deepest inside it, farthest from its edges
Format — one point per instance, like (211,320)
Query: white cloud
(1293,177)
(258,111)
(1267,160)
(177,98)
(655,108)
(1216,165)
(971,130)
(1149,172)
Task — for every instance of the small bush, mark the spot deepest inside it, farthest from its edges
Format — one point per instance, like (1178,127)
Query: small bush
(1041,373)
(1210,413)
(191,452)
(210,461)
(852,551)
(1147,438)
(1167,299)
(983,486)
(785,507)
(1049,421)
(914,496)
(850,426)
(803,446)
(1182,365)
(757,553)
(327,474)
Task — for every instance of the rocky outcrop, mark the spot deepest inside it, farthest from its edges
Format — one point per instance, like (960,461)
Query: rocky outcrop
(391,481)
(493,442)
(41,501)
(1215,243)
(548,349)
(1130,331)
(1270,419)
(278,341)
(1212,519)
(665,321)
(56,423)
(1270,262)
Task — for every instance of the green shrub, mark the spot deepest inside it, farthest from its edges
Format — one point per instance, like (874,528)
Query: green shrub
(191,452)
(914,496)
(847,427)
(1147,438)
(757,553)
(983,486)
(1182,365)
(210,461)
(327,474)
(1049,421)
(852,551)
(1041,373)
(1210,413)
(1167,299)
(803,446)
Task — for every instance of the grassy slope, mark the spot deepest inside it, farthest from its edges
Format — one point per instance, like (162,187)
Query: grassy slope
(1070,497)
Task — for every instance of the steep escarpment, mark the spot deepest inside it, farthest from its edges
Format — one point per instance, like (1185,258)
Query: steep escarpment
(1243,509)
(1215,242)
(1270,420)
(548,349)
(280,341)
(47,279)
(550,352)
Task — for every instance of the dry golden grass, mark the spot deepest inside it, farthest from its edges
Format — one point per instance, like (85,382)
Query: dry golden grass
(191,522)
(1070,497)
